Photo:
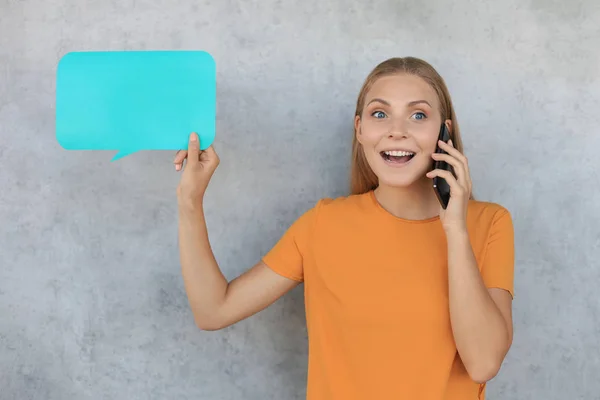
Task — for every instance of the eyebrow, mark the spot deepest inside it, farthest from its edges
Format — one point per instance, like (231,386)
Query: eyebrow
(410,104)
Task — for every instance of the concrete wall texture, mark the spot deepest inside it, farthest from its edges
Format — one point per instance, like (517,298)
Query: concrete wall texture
(92,304)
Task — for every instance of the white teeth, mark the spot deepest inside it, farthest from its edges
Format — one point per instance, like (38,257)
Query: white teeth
(397,153)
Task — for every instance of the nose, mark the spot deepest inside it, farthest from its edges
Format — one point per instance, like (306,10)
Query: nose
(398,129)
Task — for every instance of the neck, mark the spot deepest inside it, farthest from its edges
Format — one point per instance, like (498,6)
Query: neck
(416,202)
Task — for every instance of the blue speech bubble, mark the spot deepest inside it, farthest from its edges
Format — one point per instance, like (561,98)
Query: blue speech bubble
(135,100)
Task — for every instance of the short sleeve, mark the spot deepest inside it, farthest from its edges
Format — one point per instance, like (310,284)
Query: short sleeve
(498,264)
(287,256)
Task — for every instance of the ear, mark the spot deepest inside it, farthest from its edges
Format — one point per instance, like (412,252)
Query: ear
(449,125)
(357,128)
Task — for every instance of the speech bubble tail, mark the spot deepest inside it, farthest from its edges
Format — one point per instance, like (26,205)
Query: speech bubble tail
(121,154)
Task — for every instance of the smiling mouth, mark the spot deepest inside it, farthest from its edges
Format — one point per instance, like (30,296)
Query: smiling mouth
(397,157)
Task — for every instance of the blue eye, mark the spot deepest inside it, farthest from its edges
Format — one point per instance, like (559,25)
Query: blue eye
(420,113)
(381,113)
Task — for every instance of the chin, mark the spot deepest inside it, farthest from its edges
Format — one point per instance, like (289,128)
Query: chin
(397,181)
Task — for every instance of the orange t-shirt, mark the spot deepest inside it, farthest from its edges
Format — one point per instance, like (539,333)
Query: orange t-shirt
(376,297)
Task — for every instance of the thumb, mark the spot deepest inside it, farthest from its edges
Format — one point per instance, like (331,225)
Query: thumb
(193,149)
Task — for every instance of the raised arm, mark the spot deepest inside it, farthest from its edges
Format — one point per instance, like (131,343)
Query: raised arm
(215,303)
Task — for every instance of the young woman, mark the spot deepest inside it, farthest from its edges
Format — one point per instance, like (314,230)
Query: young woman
(404,300)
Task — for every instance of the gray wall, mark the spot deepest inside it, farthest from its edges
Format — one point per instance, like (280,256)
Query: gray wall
(92,304)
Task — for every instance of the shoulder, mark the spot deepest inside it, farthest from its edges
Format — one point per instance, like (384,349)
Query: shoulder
(485,214)
(487,208)
(342,205)
(335,210)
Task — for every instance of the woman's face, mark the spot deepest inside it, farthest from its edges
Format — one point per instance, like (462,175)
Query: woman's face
(398,129)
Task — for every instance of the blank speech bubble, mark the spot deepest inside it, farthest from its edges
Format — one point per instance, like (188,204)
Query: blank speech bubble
(135,100)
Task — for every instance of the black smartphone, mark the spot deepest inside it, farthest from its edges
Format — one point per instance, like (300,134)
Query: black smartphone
(440,186)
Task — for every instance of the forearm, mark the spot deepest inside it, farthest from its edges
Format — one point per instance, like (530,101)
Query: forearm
(204,282)
(480,331)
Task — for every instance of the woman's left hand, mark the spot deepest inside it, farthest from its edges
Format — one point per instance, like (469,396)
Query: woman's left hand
(455,215)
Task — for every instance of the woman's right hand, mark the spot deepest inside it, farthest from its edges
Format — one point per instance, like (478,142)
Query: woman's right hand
(199,168)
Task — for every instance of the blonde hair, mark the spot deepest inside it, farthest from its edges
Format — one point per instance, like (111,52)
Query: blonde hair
(362,177)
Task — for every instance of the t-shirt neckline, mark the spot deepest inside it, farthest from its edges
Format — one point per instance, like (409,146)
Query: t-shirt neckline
(389,215)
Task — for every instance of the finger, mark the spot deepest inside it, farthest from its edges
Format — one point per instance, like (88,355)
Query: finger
(450,149)
(208,154)
(455,188)
(193,149)
(465,163)
(179,157)
(210,151)
(459,168)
